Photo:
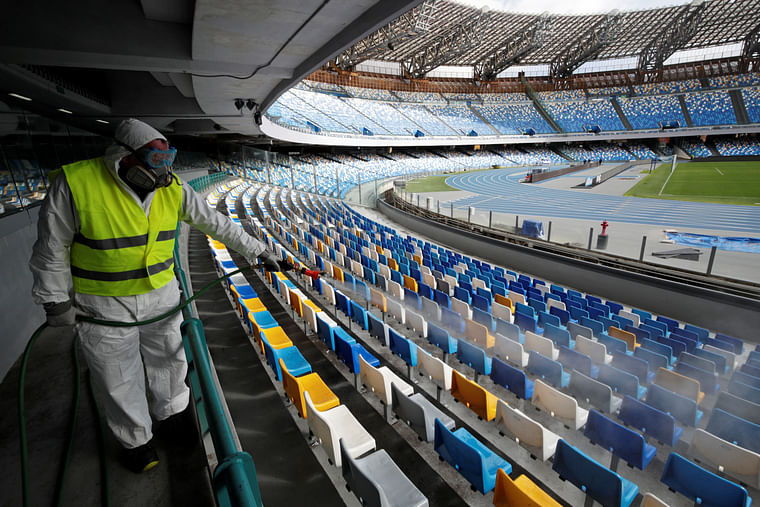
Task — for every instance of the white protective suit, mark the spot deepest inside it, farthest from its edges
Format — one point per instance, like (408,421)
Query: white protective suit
(114,353)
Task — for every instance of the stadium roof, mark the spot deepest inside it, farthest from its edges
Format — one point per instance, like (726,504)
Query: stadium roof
(439,28)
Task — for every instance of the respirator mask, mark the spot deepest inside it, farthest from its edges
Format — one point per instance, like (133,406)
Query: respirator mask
(154,169)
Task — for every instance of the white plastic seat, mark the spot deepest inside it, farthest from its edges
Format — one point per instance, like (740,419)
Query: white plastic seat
(335,424)
(559,405)
(310,316)
(378,380)
(527,432)
(328,292)
(436,370)
(428,279)
(385,271)
(630,316)
(543,346)
(478,334)
(597,351)
(729,458)
(511,350)
(461,308)
(554,303)
(516,298)
(730,356)
(397,310)
(502,312)
(395,289)
(477,283)
(417,322)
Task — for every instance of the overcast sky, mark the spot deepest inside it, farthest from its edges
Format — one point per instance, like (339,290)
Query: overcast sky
(570,6)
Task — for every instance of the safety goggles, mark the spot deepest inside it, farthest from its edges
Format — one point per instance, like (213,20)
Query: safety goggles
(156,159)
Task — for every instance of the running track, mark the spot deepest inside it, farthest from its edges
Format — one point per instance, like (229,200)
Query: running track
(500,191)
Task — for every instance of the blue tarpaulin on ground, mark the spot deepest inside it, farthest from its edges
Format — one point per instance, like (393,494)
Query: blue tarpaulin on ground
(732,244)
(533,229)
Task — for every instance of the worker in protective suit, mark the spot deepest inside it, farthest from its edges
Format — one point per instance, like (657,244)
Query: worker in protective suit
(107,227)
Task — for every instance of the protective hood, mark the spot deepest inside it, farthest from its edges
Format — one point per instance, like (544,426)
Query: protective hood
(133,133)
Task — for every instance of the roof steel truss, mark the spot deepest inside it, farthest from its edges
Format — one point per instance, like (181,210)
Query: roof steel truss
(672,37)
(513,50)
(587,46)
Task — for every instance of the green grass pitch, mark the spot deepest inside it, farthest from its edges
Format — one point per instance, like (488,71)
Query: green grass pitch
(719,182)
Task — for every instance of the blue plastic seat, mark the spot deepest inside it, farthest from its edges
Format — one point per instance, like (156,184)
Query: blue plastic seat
(442,299)
(738,406)
(558,335)
(326,332)
(682,408)
(614,307)
(654,359)
(377,328)
(721,365)
(547,318)
(634,366)
(405,349)
(412,299)
(452,319)
(359,315)
(663,327)
(653,422)
(514,379)
(476,462)
(736,342)
(702,333)
(441,339)
(547,369)
(641,334)
(719,344)
(702,486)
(659,348)
(734,429)
(750,380)
(596,327)
(481,303)
(296,364)
(525,322)
(614,345)
(749,369)
(621,321)
(562,315)
(595,479)
(342,303)
(677,345)
(708,381)
(484,318)
(574,360)
(474,357)
(619,440)
(621,381)
(349,351)
(576,313)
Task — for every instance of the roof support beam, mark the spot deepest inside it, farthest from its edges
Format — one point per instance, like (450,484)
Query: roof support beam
(586,47)
(513,50)
(672,37)
(410,25)
(447,46)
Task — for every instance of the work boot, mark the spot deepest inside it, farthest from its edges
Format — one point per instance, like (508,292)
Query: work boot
(140,459)
(180,428)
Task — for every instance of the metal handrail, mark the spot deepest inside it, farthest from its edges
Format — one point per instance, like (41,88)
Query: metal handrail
(234,479)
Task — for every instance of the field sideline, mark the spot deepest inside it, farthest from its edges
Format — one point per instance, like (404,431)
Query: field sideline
(717,182)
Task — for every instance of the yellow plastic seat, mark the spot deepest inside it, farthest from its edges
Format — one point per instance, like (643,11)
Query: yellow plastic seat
(410,283)
(295,303)
(337,273)
(393,264)
(522,492)
(254,305)
(280,275)
(473,396)
(503,300)
(680,384)
(313,305)
(275,336)
(321,395)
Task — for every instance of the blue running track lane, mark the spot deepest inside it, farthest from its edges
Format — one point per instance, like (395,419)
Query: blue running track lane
(499,190)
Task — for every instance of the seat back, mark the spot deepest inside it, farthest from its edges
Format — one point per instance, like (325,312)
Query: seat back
(359,315)
(560,405)
(599,482)
(397,310)
(310,316)
(436,370)
(679,384)
(613,344)
(545,368)
(512,378)
(650,420)
(539,344)
(627,337)
(459,454)
(729,356)
(408,410)
(528,432)
(708,381)
(696,483)
(654,359)
(560,337)
(441,339)
(734,429)
(619,440)
(474,357)
(452,319)
(574,360)
(500,311)
(719,362)
(659,348)
(378,329)
(374,380)
(377,299)
(478,333)
(405,349)
(724,455)
(738,406)
(462,308)
(682,408)
(595,350)
(619,380)
(472,395)
(633,365)
(511,350)
(417,322)
(595,393)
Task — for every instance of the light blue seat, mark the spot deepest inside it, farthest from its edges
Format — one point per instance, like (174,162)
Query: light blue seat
(349,351)
(621,381)
(474,357)
(476,462)
(734,429)
(525,322)
(702,333)
(264,320)
(514,379)
(659,348)
(702,486)
(682,408)
(595,479)
(359,315)
(738,406)
(296,364)
(654,359)
(650,420)
(452,319)
(634,366)
(614,345)
(442,339)
(558,335)
(547,369)
(749,380)
(619,440)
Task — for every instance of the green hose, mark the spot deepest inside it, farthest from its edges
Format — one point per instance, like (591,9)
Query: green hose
(67,454)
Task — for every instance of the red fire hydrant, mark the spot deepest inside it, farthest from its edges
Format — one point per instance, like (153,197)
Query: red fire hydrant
(605,224)
(601,240)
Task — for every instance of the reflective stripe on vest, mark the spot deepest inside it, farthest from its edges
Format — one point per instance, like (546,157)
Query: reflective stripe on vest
(119,251)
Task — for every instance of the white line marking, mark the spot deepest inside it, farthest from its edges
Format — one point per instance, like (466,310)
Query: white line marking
(719,171)
(666,182)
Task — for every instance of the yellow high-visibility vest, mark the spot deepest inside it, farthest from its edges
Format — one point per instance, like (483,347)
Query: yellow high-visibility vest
(119,251)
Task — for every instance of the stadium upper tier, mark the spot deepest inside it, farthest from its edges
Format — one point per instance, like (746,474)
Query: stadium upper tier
(315,107)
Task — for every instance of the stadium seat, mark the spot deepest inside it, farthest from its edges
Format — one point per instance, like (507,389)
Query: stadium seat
(558,405)
(547,369)
(418,413)
(511,350)
(730,357)
(474,357)
(731,459)
(522,491)
(436,370)
(596,480)
(574,360)
(331,426)
(738,406)
(379,380)
(696,483)
(595,393)
(653,422)
(680,384)
(543,346)
(326,330)
(532,435)
(653,359)
(619,440)
(291,356)
(295,387)
(659,348)
(634,366)
(514,379)
(597,351)
(470,457)
(349,352)
(275,336)
(478,334)
(473,396)
(682,408)
(621,381)
(403,347)
(734,429)
(441,339)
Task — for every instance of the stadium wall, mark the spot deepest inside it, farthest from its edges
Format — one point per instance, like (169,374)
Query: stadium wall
(725,313)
